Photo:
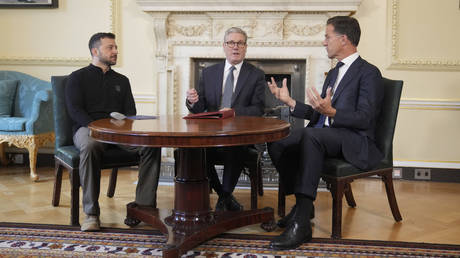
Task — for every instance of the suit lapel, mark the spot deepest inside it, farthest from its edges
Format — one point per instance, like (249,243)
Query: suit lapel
(219,78)
(349,75)
(242,77)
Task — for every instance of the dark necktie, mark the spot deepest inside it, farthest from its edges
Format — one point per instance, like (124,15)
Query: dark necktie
(228,90)
(334,74)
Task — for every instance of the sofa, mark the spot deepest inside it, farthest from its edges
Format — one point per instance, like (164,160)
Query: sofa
(26,118)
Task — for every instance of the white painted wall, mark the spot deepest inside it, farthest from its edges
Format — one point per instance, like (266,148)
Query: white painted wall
(46,42)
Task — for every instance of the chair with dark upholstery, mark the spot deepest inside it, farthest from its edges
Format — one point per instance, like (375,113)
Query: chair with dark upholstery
(338,174)
(68,156)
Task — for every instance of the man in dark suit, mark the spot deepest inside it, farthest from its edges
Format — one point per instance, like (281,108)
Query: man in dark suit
(232,84)
(342,124)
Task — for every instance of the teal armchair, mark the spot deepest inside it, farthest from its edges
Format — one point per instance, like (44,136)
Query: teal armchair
(26,114)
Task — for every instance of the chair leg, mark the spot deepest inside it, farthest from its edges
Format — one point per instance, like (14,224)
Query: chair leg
(112,183)
(387,178)
(74,197)
(349,195)
(281,200)
(260,179)
(254,188)
(337,191)
(3,159)
(33,150)
(57,183)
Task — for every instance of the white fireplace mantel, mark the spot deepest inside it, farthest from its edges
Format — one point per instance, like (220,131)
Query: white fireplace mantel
(248,5)
(277,29)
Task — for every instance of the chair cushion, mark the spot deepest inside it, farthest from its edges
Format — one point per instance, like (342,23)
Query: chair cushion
(13,124)
(340,168)
(70,155)
(7,95)
(113,157)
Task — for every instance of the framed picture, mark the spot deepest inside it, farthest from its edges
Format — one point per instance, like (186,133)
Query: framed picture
(28,3)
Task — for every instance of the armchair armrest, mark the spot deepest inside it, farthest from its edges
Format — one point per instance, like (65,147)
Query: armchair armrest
(41,115)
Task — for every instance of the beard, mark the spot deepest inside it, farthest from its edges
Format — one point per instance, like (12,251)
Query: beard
(108,61)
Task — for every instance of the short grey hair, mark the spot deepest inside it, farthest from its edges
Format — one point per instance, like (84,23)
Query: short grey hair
(236,30)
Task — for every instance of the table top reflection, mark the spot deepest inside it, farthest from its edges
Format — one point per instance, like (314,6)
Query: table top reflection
(174,131)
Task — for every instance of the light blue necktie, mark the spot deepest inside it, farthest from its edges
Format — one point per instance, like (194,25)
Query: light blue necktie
(334,74)
(228,90)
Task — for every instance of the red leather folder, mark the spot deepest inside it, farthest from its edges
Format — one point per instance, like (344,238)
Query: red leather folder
(212,115)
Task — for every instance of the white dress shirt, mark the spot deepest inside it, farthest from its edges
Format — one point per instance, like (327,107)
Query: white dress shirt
(347,61)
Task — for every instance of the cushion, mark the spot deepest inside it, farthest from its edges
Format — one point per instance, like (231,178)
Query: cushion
(13,124)
(113,157)
(340,168)
(7,94)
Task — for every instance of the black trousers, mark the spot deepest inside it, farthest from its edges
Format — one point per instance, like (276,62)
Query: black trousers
(299,157)
(232,158)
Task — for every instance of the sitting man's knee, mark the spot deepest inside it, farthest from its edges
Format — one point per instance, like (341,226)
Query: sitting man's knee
(92,146)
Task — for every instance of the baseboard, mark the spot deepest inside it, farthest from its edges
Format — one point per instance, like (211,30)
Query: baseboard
(270,175)
(430,174)
(22,158)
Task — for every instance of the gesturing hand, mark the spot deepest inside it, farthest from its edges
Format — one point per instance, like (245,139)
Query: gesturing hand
(322,105)
(281,93)
(192,96)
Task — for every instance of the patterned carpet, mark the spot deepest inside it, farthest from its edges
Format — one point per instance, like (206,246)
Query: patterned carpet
(27,240)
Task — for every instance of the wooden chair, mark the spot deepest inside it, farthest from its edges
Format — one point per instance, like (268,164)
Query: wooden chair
(68,156)
(339,174)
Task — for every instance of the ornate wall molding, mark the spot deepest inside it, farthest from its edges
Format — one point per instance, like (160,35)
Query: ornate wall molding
(430,104)
(187,31)
(65,61)
(248,5)
(218,43)
(413,63)
(304,30)
(427,163)
(140,97)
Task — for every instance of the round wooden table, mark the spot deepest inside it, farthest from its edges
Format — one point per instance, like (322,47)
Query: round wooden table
(191,222)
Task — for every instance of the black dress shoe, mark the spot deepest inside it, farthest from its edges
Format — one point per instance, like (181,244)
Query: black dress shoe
(284,221)
(232,204)
(295,234)
(220,205)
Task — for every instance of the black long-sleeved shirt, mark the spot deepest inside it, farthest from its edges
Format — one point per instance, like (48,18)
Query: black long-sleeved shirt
(92,95)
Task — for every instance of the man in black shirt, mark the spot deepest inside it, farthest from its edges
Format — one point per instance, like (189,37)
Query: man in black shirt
(92,93)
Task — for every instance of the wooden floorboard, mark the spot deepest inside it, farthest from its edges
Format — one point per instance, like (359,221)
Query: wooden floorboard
(430,210)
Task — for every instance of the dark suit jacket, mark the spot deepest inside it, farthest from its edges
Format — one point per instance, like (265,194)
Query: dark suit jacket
(248,97)
(358,100)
